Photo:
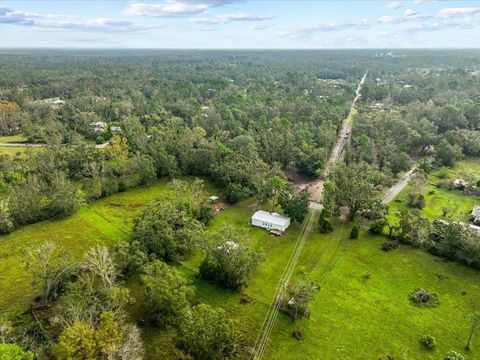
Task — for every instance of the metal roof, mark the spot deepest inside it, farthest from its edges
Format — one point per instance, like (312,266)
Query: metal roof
(272,218)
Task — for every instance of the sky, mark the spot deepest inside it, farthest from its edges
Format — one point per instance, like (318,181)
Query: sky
(237,24)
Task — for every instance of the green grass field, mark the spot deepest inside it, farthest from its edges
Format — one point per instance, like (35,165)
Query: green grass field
(352,317)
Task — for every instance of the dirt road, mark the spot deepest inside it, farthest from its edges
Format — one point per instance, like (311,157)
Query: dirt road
(315,189)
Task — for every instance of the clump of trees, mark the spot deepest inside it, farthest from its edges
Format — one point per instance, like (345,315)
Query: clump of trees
(207,333)
(80,312)
(356,187)
(296,298)
(229,262)
(455,241)
(167,229)
(167,292)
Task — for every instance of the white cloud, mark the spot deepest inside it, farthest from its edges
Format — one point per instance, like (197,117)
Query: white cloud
(226,18)
(392,5)
(449,12)
(387,19)
(418,2)
(172,8)
(65,22)
(259,26)
(409,12)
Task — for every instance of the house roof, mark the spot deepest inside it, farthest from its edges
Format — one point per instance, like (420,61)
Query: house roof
(272,218)
(213,197)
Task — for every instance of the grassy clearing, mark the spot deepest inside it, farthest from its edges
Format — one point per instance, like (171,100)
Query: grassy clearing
(13,151)
(13,139)
(105,222)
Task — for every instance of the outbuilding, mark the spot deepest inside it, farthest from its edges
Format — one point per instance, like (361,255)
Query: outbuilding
(270,221)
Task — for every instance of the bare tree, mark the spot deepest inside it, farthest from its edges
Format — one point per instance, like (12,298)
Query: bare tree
(475,323)
(100,262)
(49,267)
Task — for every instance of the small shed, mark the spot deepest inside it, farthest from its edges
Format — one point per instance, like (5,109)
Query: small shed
(213,199)
(270,221)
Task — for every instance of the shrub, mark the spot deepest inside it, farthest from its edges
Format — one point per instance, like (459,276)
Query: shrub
(429,342)
(453,355)
(423,298)
(326,222)
(390,245)
(14,352)
(376,227)
(355,232)
(442,173)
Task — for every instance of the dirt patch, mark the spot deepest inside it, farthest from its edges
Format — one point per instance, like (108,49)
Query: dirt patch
(220,206)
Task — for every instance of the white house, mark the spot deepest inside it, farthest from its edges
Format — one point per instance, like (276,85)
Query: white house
(270,221)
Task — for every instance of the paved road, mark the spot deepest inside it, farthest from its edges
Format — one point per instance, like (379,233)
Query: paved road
(399,186)
(98,146)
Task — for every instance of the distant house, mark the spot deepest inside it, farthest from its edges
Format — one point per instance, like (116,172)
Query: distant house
(98,126)
(53,101)
(115,129)
(476,214)
(213,199)
(270,221)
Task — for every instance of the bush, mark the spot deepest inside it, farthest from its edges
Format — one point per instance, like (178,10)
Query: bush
(99,139)
(376,227)
(453,355)
(326,222)
(415,200)
(14,352)
(355,232)
(429,342)
(390,245)
(442,173)
(423,298)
